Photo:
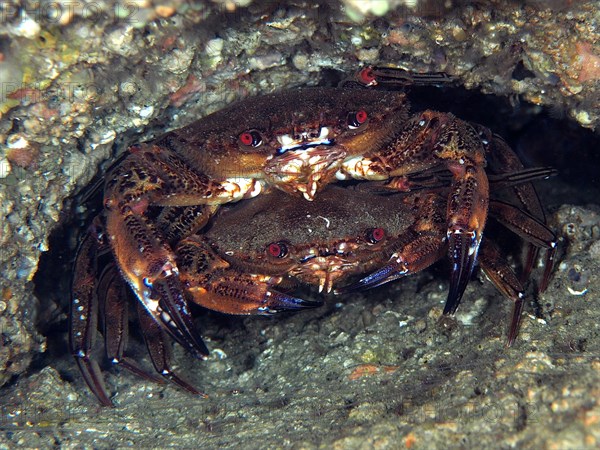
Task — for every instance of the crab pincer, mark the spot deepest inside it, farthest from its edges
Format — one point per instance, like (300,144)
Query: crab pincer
(214,284)
(428,141)
(108,299)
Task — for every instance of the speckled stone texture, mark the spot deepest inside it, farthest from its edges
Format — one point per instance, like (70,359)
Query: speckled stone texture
(376,370)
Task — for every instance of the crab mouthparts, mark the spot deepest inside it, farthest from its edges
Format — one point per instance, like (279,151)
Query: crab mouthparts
(303,141)
(324,271)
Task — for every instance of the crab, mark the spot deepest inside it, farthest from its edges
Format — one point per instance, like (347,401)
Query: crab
(298,141)
(233,269)
(347,239)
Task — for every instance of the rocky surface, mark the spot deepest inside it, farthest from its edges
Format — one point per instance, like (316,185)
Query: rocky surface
(79,84)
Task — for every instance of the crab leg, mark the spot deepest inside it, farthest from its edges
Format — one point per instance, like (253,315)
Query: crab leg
(83,319)
(430,140)
(503,159)
(213,284)
(504,278)
(525,225)
(532,230)
(441,179)
(511,179)
(159,351)
(112,296)
(391,76)
(176,222)
(154,175)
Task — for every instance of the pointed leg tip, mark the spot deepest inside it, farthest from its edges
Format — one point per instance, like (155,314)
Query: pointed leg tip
(314,303)
(307,304)
(105,401)
(93,378)
(201,350)
(449,308)
(174,378)
(510,341)
(457,288)
(513,332)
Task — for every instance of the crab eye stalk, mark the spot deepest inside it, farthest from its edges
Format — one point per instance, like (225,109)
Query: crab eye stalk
(375,235)
(277,249)
(250,138)
(357,119)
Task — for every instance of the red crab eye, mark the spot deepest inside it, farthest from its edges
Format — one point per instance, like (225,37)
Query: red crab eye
(251,138)
(366,76)
(375,235)
(277,249)
(356,119)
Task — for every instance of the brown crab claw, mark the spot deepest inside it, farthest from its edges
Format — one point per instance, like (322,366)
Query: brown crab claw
(245,295)
(172,312)
(416,250)
(462,251)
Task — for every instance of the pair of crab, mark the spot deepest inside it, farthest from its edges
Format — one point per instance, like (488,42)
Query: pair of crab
(162,228)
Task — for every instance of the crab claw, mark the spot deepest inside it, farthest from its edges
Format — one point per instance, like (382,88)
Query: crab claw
(247,300)
(463,247)
(417,250)
(245,295)
(213,284)
(171,310)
